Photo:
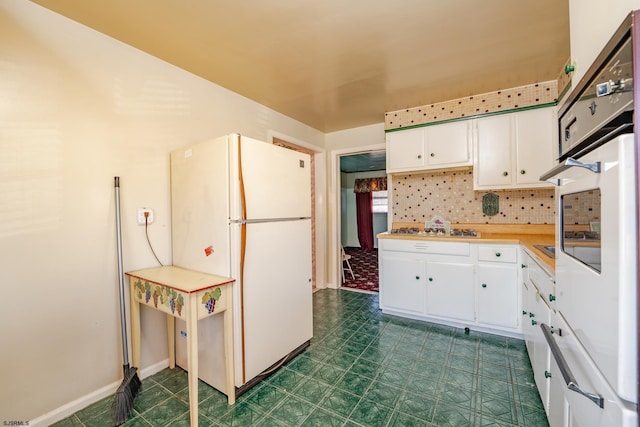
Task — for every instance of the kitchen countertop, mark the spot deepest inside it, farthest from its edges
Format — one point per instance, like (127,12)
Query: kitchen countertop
(518,237)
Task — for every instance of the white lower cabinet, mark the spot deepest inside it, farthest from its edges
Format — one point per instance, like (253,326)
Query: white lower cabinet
(537,309)
(407,274)
(497,295)
(450,290)
(442,282)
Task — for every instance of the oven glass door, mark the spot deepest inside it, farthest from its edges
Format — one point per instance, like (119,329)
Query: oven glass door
(580,237)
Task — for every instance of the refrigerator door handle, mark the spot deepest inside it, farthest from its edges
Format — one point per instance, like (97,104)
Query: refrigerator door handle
(258,221)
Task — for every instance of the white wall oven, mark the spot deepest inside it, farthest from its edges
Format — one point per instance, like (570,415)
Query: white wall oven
(596,249)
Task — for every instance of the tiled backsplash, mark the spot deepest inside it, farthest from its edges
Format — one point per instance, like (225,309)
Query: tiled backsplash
(449,193)
(492,102)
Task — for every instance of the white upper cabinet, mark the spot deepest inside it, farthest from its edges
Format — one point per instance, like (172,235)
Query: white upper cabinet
(405,150)
(494,158)
(513,150)
(430,147)
(449,144)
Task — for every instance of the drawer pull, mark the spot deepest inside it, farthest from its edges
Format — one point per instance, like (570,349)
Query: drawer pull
(417,277)
(523,265)
(547,374)
(431,279)
(484,285)
(552,297)
(498,254)
(533,322)
(524,313)
(569,379)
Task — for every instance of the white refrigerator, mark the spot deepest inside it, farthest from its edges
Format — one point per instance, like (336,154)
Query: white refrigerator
(242,208)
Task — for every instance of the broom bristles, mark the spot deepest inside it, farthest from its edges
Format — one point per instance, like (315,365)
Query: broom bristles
(126,395)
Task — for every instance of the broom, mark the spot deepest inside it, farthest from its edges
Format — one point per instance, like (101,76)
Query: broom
(131,384)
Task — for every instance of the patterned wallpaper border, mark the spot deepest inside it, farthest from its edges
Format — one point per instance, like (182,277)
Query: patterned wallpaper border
(536,94)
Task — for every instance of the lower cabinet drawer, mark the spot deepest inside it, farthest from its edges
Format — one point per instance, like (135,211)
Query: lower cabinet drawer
(427,247)
(498,253)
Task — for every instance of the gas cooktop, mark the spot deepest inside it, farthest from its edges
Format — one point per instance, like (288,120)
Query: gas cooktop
(436,232)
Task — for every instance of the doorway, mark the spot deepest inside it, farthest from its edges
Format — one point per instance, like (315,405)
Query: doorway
(362,215)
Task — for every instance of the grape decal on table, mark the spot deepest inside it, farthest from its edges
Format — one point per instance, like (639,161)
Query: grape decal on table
(170,298)
(209,299)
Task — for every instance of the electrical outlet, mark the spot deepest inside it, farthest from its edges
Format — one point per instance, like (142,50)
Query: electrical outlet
(141,218)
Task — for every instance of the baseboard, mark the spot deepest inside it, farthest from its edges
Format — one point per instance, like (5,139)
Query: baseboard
(72,407)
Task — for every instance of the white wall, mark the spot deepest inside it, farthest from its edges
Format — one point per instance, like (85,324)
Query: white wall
(76,109)
(592,23)
(349,217)
(349,141)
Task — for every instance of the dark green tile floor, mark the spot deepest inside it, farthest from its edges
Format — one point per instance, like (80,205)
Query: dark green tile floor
(363,368)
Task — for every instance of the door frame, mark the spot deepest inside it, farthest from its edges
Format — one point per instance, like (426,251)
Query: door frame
(334,264)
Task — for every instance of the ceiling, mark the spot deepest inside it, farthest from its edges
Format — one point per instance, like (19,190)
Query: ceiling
(336,64)
(373,161)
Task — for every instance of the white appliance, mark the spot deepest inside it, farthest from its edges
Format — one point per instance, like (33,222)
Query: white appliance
(594,342)
(242,208)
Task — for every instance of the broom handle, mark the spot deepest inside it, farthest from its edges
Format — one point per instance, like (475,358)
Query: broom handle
(123,320)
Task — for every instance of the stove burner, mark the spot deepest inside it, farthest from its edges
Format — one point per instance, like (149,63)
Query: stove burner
(405,230)
(467,232)
(581,235)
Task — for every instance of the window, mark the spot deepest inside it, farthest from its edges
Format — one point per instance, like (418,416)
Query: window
(379,202)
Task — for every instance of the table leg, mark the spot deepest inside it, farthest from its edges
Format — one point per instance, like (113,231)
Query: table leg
(192,358)
(135,327)
(171,340)
(228,349)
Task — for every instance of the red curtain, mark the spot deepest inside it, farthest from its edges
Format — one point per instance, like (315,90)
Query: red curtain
(365,220)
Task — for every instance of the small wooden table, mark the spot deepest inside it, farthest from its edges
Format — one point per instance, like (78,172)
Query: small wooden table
(188,295)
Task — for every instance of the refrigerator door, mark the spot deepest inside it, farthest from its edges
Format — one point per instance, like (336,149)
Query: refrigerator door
(277,310)
(200,207)
(270,181)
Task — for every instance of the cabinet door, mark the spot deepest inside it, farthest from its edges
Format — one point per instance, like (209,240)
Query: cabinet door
(541,353)
(402,283)
(450,290)
(448,144)
(556,413)
(536,136)
(498,294)
(494,137)
(405,150)
(528,306)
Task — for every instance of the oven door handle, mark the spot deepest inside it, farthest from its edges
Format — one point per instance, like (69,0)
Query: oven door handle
(569,379)
(569,163)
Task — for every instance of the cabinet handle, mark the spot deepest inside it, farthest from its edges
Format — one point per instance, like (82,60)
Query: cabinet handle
(547,374)
(505,173)
(498,254)
(532,315)
(484,285)
(524,313)
(523,265)
(431,279)
(417,277)
(522,172)
(533,322)
(419,156)
(432,154)
(552,297)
